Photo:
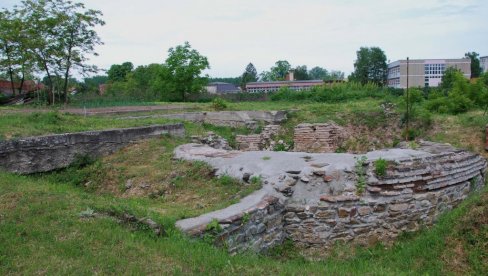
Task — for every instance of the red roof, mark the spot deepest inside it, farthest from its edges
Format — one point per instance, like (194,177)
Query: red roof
(28,85)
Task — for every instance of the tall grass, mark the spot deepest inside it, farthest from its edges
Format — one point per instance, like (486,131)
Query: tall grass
(336,93)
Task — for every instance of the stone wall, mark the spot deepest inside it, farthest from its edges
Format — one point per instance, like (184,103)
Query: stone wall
(318,200)
(46,153)
(256,229)
(318,137)
(261,141)
(256,224)
(414,192)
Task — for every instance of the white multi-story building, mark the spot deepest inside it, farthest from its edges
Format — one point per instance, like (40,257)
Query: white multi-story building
(424,72)
(484,64)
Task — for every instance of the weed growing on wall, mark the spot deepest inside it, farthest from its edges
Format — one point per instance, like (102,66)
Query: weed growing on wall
(360,168)
(380,166)
(256,180)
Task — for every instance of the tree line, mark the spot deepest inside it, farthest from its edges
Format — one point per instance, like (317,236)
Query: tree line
(50,37)
(179,77)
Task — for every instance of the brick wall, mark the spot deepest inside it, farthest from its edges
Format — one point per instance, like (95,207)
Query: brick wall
(258,142)
(325,137)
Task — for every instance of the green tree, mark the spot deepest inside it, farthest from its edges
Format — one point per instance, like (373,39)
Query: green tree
(301,73)
(318,73)
(185,67)
(15,58)
(249,75)
(151,82)
(475,64)
(334,76)
(119,72)
(370,66)
(449,78)
(277,72)
(91,84)
(61,37)
(77,38)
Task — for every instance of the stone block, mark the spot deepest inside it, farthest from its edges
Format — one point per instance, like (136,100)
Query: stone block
(363,211)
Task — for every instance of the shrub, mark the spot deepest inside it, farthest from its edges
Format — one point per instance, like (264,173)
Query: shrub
(334,93)
(279,147)
(82,160)
(410,134)
(219,104)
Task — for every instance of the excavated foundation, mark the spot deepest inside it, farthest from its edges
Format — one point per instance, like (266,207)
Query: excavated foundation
(318,199)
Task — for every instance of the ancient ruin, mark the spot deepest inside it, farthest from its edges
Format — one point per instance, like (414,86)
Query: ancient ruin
(256,142)
(325,137)
(249,119)
(51,152)
(318,199)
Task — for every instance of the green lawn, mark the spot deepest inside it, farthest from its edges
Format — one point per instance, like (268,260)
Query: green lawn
(42,233)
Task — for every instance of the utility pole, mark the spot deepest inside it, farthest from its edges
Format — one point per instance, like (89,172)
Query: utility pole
(408,103)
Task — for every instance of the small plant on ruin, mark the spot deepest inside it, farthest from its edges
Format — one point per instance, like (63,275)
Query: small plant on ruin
(214,227)
(219,104)
(266,158)
(413,145)
(212,230)
(380,166)
(361,175)
(280,147)
(245,218)
(256,180)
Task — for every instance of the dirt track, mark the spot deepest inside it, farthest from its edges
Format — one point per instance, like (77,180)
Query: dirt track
(106,110)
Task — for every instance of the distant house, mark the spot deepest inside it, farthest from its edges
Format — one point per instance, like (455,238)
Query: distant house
(27,87)
(484,64)
(102,88)
(273,86)
(221,88)
(290,82)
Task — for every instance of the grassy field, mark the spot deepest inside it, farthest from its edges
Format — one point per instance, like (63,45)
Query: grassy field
(42,230)
(369,126)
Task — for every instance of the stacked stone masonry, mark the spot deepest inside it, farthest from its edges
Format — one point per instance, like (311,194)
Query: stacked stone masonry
(46,153)
(256,229)
(257,142)
(418,187)
(413,193)
(318,137)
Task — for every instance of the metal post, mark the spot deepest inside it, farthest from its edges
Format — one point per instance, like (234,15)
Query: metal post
(408,103)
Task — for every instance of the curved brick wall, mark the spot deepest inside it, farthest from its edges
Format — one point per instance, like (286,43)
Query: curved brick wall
(312,199)
(414,193)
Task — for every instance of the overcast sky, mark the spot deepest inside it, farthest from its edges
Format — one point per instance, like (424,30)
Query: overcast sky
(324,33)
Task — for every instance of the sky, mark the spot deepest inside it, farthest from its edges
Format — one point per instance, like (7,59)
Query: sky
(325,33)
